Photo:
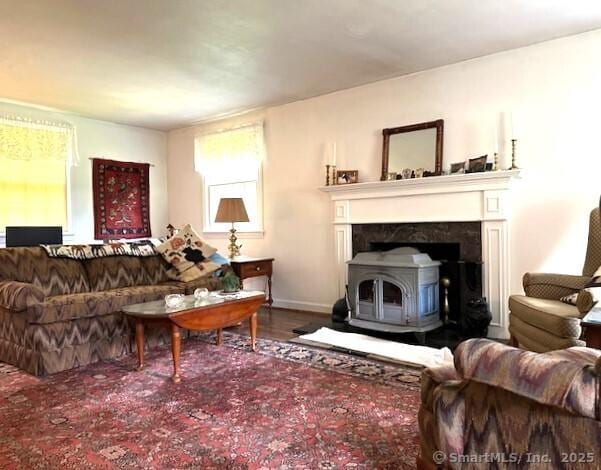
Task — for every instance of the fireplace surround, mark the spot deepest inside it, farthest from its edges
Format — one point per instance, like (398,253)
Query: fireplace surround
(484,198)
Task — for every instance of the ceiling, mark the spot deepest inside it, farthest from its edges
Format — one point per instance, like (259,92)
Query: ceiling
(165,64)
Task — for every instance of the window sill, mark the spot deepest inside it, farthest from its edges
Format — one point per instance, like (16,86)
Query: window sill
(240,235)
(65,235)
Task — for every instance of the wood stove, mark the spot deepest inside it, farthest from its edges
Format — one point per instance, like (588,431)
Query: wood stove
(394,291)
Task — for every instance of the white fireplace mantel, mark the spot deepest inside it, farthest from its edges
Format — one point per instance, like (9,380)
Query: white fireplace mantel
(483,197)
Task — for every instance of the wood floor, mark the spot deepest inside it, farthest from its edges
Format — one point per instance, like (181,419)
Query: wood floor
(280,322)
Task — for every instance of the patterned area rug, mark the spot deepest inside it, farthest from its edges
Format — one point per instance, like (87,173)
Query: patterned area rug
(285,407)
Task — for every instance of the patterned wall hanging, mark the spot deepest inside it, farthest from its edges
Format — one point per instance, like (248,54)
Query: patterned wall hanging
(121,199)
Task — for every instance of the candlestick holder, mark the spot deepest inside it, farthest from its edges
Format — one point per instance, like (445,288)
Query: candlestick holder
(334,182)
(513,154)
(327,175)
(496,162)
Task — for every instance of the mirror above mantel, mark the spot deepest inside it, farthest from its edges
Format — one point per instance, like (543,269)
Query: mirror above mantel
(412,150)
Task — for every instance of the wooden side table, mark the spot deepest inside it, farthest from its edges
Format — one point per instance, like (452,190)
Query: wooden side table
(592,323)
(246,267)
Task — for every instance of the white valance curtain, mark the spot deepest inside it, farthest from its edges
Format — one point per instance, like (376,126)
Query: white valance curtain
(232,151)
(37,140)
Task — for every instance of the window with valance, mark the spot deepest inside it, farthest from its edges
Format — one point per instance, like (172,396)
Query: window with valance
(35,157)
(231,164)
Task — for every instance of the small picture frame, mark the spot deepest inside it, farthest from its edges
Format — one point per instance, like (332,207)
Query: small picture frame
(477,165)
(458,167)
(347,176)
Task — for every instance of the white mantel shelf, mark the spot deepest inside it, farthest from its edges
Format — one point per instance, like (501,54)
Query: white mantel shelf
(465,182)
(483,197)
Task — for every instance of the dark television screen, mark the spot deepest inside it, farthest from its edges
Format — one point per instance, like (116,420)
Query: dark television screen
(33,236)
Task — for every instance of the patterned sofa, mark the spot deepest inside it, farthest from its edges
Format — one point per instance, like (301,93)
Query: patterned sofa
(515,406)
(57,313)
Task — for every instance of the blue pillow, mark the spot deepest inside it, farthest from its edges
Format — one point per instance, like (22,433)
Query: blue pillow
(219,259)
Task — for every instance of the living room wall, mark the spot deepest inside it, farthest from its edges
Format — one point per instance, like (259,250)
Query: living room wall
(552,90)
(102,139)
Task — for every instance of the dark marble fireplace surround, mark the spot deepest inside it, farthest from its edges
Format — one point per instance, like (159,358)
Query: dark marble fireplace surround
(468,235)
(458,245)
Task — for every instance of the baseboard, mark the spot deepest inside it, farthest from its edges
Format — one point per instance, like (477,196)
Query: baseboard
(304,306)
(497,332)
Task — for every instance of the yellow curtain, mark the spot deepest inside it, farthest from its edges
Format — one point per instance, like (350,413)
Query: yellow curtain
(33,192)
(34,160)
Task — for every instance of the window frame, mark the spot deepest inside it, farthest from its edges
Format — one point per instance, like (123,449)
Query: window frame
(209,228)
(67,230)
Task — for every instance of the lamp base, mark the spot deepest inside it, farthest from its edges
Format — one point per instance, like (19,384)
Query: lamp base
(233,248)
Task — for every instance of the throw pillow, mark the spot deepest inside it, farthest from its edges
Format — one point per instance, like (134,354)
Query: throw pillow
(185,249)
(570,299)
(188,254)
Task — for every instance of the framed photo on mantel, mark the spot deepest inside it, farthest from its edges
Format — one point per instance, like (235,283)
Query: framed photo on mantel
(347,176)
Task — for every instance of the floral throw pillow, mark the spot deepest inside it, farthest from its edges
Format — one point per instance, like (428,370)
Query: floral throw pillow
(188,254)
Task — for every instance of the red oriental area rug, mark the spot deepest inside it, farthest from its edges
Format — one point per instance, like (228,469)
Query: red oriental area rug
(286,407)
(121,199)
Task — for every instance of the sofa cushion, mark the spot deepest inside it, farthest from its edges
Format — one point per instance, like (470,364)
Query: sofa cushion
(208,282)
(550,315)
(114,272)
(53,276)
(92,304)
(154,270)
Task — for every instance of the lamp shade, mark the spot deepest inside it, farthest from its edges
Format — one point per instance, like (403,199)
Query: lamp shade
(231,209)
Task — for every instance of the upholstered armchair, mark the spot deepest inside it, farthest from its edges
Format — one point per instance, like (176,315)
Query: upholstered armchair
(539,321)
(512,407)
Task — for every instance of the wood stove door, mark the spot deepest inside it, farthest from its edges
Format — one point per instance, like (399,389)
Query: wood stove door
(392,304)
(367,304)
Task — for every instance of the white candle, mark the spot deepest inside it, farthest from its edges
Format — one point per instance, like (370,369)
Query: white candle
(334,153)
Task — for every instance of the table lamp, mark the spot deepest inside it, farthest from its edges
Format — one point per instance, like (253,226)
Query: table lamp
(231,209)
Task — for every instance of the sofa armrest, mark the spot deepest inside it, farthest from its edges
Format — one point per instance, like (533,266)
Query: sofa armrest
(544,378)
(18,296)
(552,286)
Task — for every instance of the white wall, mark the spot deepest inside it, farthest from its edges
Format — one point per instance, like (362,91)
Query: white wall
(553,92)
(101,139)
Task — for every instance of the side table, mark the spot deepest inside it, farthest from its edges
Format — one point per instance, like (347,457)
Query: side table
(592,323)
(246,267)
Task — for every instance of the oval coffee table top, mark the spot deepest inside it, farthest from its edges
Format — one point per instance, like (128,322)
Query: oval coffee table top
(158,308)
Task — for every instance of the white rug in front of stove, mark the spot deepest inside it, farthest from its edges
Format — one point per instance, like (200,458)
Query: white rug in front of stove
(400,352)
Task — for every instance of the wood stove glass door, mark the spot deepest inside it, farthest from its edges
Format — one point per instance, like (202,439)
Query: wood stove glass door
(392,303)
(368,300)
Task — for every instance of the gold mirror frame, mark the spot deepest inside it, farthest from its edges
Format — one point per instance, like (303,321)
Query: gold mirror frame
(438,125)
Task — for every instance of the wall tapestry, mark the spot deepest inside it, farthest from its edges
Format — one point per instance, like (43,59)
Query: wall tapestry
(121,199)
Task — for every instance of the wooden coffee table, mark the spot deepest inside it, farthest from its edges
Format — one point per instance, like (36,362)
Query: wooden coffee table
(211,313)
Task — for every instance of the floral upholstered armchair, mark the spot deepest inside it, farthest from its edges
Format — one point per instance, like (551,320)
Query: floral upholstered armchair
(503,407)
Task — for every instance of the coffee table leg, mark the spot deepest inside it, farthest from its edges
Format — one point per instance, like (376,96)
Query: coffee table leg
(175,350)
(253,331)
(219,337)
(140,343)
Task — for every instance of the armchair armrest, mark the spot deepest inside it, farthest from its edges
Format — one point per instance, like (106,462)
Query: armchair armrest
(548,378)
(18,296)
(552,286)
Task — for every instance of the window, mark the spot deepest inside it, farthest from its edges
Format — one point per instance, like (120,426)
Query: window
(231,164)
(34,172)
